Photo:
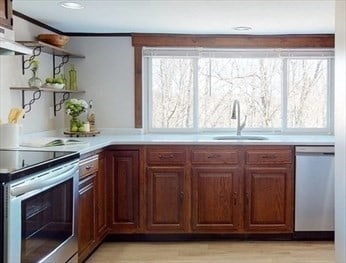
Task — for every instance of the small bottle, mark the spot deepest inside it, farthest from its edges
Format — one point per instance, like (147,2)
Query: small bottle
(91,117)
(86,126)
(73,78)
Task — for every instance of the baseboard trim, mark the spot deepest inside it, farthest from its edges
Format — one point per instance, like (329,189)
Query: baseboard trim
(313,235)
(196,237)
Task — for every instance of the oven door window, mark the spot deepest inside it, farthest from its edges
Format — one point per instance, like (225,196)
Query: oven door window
(47,221)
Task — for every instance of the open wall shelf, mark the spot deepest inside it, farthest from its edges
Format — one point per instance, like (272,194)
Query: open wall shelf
(39,47)
(37,92)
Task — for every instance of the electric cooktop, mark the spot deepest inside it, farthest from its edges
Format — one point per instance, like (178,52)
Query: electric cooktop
(15,164)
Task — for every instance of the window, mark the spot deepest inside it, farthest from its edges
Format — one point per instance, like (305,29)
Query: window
(279,91)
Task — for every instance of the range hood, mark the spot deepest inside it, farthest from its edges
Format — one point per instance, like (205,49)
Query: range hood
(9,47)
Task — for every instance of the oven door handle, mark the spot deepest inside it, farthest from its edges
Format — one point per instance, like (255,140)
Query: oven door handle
(43,182)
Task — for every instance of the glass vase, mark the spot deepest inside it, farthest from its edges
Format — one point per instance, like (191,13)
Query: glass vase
(75,123)
(34,81)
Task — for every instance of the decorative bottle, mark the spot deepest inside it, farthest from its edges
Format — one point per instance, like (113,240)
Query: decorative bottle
(91,117)
(73,78)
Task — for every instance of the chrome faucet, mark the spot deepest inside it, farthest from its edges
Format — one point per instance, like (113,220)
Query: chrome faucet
(236,115)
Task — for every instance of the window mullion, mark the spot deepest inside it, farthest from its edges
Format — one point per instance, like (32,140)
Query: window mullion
(195,95)
(149,91)
(330,96)
(284,97)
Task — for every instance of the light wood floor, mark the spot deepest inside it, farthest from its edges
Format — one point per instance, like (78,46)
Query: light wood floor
(215,252)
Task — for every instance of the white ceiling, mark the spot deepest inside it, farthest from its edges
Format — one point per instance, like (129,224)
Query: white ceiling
(185,16)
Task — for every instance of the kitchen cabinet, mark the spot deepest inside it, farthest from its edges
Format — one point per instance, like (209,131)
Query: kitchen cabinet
(123,189)
(269,190)
(92,224)
(101,199)
(167,195)
(6,19)
(219,189)
(86,219)
(200,189)
(216,200)
(166,199)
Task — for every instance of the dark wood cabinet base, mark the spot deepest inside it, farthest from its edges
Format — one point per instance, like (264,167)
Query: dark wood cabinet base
(313,236)
(195,237)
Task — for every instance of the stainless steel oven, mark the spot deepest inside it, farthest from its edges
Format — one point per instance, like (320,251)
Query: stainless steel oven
(40,216)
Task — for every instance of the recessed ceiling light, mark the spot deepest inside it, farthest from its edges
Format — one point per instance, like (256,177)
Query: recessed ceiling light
(71,5)
(242,28)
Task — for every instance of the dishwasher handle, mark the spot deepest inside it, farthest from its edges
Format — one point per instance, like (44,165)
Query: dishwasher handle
(315,150)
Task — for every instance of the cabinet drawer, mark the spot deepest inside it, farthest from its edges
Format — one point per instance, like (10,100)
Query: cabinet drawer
(214,156)
(267,156)
(88,166)
(166,155)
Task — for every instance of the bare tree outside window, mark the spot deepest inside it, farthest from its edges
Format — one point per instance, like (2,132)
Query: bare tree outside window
(172,93)
(256,83)
(275,93)
(307,93)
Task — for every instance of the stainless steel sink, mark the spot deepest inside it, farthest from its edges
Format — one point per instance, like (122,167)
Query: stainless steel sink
(240,137)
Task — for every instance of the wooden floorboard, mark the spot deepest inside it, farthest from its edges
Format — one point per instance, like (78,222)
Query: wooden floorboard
(215,252)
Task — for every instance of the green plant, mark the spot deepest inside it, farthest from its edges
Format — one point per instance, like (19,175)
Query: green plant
(75,107)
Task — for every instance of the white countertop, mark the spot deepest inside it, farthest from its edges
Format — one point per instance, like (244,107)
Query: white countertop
(105,139)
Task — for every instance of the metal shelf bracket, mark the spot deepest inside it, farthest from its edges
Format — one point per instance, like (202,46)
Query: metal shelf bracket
(35,96)
(26,63)
(57,68)
(58,104)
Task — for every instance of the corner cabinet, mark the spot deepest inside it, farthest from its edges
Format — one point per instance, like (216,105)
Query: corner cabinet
(6,19)
(123,189)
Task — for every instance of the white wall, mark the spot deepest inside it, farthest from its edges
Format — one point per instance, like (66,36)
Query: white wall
(107,76)
(340,132)
(11,75)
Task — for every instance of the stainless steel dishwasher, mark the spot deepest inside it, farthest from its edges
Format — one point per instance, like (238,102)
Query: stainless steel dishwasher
(314,198)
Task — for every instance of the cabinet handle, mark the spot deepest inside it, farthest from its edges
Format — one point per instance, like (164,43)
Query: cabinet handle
(213,156)
(88,167)
(247,198)
(269,156)
(97,209)
(235,198)
(171,156)
(181,195)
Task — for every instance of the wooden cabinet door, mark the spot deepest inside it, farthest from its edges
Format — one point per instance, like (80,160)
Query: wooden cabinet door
(6,13)
(269,199)
(123,190)
(166,199)
(101,198)
(215,199)
(86,217)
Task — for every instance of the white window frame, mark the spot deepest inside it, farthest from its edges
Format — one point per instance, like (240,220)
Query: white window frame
(196,53)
